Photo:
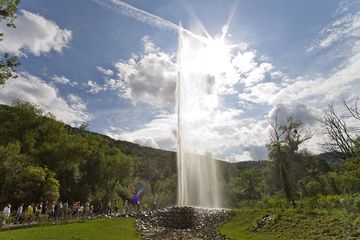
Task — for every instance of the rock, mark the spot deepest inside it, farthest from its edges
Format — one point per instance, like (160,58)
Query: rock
(263,223)
(182,223)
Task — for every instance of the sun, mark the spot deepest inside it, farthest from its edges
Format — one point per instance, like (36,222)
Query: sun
(216,54)
(210,56)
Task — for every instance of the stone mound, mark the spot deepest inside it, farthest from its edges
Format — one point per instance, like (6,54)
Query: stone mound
(182,223)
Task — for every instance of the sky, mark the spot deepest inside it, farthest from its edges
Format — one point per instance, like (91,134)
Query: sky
(113,64)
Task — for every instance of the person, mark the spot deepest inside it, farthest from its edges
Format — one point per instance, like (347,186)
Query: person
(138,205)
(51,208)
(126,206)
(45,207)
(29,212)
(86,209)
(91,213)
(78,206)
(58,210)
(19,211)
(74,210)
(108,209)
(65,209)
(6,213)
(38,210)
(80,211)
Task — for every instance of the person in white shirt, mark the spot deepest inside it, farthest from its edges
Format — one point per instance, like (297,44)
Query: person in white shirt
(6,213)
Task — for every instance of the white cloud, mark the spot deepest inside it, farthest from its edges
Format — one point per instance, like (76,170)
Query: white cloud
(305,97)
(257,74)
(34,34)
(149,46)
(93,87)
(244,156)
(240,133)
(158,133)
(227,131)
(76,103)
(32,89)
(106,72)
(141,140)
(60,79)
(304,113)
(251,69)
(345,27)
(260,93)
(150,78)
(321,91)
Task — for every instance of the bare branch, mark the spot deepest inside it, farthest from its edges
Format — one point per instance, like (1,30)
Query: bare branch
(340,139)
(354,111)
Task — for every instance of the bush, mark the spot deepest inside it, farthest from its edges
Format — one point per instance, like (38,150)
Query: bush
(276,203)
(351,203)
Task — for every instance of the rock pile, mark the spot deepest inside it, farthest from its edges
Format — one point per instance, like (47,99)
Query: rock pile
(263,223)
(182,223)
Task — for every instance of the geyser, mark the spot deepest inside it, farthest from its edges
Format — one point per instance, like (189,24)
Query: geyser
(201,68)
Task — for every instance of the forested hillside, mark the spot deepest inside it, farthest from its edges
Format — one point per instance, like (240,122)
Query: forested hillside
(42,159)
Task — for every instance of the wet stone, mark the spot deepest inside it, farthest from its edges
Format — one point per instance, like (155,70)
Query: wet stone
(182,223)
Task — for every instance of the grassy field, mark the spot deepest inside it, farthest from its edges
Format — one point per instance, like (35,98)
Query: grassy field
(99,229)
(293,224)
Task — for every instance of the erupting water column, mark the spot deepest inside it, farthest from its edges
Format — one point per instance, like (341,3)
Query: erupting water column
(197,101)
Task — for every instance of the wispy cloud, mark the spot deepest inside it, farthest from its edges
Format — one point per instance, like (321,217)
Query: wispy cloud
(344,27)
(60,79)
(143,16)
(140,15)
(94,87)
(106,72)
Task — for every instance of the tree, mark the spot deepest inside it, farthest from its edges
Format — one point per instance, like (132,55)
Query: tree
(8,9)
(284,143)
(353,110)
(309,175)
(35,184)
(20,124)
(246,185)
(340,139)
(116,169)
(23,182)
(36,150)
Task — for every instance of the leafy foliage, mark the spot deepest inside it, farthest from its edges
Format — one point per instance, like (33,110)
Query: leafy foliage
(42,159)
(38,153)
(298,175)
(8,10)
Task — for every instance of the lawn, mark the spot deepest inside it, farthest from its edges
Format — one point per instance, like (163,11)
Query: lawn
(99,229)
(293,224)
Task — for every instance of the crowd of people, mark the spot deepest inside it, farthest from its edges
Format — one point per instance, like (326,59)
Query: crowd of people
(57,211)
(54,211)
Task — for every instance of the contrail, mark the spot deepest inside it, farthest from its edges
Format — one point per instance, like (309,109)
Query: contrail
(143,16)
(138,14)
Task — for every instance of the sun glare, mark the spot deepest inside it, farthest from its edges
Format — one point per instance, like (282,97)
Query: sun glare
(213,57)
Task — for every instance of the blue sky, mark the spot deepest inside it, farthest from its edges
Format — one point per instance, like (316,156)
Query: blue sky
(101,63)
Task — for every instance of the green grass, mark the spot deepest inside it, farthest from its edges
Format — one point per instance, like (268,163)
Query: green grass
(293,224)
(99,229)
